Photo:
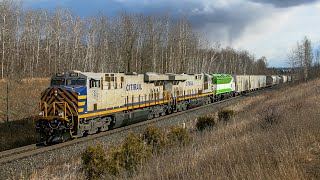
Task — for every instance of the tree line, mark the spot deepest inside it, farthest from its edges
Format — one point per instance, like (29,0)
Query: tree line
(38,43)
(305,59)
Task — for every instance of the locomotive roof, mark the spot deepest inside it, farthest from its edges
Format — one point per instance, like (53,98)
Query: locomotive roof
(221,76)
(148,76)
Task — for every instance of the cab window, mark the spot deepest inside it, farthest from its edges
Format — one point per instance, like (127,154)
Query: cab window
(94,83)
(76,82)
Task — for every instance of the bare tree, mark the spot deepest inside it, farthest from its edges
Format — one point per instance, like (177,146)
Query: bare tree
(301,57)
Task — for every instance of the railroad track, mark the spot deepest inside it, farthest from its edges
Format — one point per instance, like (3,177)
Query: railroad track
(20,159)
(19,150)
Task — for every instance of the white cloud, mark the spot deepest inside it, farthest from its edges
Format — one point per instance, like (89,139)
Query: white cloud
(275,35)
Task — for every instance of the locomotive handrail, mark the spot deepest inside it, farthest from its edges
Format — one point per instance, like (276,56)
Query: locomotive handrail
(45,108)
(71,113)
(66,108)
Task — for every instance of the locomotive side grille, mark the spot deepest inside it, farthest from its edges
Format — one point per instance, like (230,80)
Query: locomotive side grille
(52,95)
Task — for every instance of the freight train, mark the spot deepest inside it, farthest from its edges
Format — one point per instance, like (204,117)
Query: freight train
(82,103)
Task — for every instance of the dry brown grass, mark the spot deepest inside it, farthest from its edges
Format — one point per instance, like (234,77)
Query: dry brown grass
(68,170)
(272,136)
(17,133)
(24,96)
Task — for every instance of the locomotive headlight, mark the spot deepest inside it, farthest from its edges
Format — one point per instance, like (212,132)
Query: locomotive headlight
(41,113)
(60,114)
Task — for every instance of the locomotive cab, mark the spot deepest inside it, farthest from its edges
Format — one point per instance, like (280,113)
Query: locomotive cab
(60,105)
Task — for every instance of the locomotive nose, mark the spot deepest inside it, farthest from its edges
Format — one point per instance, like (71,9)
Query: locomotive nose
(55,99)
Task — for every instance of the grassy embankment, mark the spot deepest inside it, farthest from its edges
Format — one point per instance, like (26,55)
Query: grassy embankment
(271,136)
(24,97)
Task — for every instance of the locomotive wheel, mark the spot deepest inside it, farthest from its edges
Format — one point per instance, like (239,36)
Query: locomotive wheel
(184,108)
(150,116)
(66,136)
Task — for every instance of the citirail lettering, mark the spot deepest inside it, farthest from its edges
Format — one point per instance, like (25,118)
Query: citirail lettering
(133,87)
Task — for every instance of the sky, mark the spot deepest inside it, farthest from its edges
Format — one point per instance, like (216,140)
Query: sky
(267,28)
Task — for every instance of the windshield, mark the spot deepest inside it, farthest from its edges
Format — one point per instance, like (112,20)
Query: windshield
(76,82)
(57,82)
